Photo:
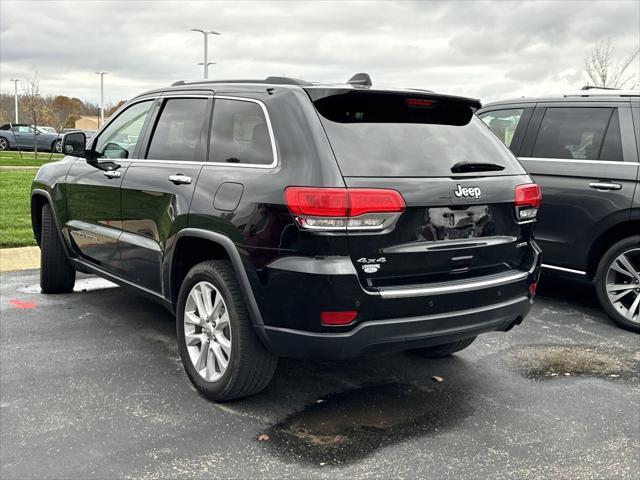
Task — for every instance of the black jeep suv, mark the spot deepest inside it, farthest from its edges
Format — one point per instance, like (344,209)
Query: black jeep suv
(582,149)
(280,217)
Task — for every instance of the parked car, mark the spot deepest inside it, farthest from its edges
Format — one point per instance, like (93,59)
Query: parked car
(582,149)
(21,136)
(284,218)
(46,129)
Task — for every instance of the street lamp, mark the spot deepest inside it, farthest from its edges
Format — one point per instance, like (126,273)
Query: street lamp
(208,63)
(206,34)
(15,98)
(102,74)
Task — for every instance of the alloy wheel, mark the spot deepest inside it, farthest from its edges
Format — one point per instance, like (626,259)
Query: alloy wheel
(3,144)
(623,284)
(207,331)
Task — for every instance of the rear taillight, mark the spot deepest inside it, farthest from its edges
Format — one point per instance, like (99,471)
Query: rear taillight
(527,200)
(344,209)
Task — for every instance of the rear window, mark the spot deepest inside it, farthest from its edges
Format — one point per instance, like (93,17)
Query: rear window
(393,135)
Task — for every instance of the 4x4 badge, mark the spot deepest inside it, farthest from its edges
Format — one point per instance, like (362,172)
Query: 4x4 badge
(371,265)
(461,192)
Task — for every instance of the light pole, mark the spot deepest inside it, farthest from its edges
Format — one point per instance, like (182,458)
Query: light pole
(208,63)
(102,74)
(15,97)
(206,34)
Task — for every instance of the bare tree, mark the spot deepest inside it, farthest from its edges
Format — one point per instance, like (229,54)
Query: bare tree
(604,70)
(35,107)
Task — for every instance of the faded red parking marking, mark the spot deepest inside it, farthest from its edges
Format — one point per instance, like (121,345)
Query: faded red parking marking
(15,303)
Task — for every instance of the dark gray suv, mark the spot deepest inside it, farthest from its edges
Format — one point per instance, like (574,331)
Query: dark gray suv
(582,149)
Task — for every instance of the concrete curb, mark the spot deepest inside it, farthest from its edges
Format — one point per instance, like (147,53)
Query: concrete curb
(23,258)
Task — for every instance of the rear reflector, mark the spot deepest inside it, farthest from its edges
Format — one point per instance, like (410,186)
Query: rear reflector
(342,208)
(337,318)
(532,288)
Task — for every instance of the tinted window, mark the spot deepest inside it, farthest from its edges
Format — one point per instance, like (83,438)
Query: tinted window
(503,123)
(119,138)
(388,135)
(240,133)
(612,146)
(179,130)
(572,133)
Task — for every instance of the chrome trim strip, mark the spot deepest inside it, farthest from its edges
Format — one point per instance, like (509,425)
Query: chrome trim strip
(103,230)
(576,160)
(462,286)
(139,241)
(563,269)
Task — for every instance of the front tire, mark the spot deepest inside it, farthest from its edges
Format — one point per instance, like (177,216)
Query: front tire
(220,351)
(445,349)
(57,146)
(56,273)
(618,283)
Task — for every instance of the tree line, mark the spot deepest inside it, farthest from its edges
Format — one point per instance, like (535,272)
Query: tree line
(57,111)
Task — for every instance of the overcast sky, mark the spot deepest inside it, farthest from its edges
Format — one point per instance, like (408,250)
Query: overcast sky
(488,50)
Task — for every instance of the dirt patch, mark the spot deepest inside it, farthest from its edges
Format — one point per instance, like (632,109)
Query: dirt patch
(345,427)
(561,361)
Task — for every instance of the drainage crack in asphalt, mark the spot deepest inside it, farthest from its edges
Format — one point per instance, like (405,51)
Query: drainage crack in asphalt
(345,427)
(550,361)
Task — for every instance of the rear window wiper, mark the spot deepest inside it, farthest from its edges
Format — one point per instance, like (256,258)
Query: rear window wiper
(463,167)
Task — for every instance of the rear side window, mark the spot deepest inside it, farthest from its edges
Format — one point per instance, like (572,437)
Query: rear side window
(240,133)
(179,130)
(579,134)
(503,123)
(392,135)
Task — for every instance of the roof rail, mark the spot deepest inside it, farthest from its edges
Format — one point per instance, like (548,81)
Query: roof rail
(592,87)
(268,80)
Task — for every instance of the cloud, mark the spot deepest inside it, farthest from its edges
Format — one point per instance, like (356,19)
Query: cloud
(490,50)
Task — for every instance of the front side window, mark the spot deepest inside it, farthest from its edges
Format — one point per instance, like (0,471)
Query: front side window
(240,133)
(578,134)
(179,130)
(503,123)
(119,138)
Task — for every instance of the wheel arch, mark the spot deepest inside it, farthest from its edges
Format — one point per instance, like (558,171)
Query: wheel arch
(607,238)
(193,245)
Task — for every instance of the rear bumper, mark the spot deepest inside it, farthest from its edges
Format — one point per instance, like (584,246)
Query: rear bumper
(397,334)
(294,290)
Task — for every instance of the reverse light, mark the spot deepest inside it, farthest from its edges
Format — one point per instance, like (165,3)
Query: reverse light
(358,209)
(337,318)
(528,198)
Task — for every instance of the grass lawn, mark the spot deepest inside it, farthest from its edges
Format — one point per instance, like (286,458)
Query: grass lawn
(11,158)
(15,214)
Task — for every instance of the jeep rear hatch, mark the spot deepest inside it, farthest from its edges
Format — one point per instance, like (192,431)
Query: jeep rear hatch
(457,181)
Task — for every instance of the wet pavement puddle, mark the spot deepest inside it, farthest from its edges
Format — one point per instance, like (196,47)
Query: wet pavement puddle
(348,426)
(82,285)
(547,362)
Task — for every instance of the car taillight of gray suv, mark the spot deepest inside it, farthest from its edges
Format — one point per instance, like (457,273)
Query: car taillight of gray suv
(286,218)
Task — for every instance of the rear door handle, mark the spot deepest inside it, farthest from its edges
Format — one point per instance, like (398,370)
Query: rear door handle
(111,173)
(180,179)
(605,186)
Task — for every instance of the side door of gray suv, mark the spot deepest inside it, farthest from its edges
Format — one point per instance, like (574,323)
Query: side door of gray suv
(583,155)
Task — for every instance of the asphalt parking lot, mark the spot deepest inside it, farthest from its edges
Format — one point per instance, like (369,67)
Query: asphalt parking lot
(92,387)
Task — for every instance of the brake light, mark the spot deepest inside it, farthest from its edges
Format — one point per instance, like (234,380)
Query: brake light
(418,102)
(528,198)
(337,318)
(344,209)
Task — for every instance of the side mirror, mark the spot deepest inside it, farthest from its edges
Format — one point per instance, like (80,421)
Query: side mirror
(74,143)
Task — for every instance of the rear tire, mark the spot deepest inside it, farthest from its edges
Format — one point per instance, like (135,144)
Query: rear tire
(620,303)
(4,144)
(56,273)
(56,147)
(235,363)
(445,349)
